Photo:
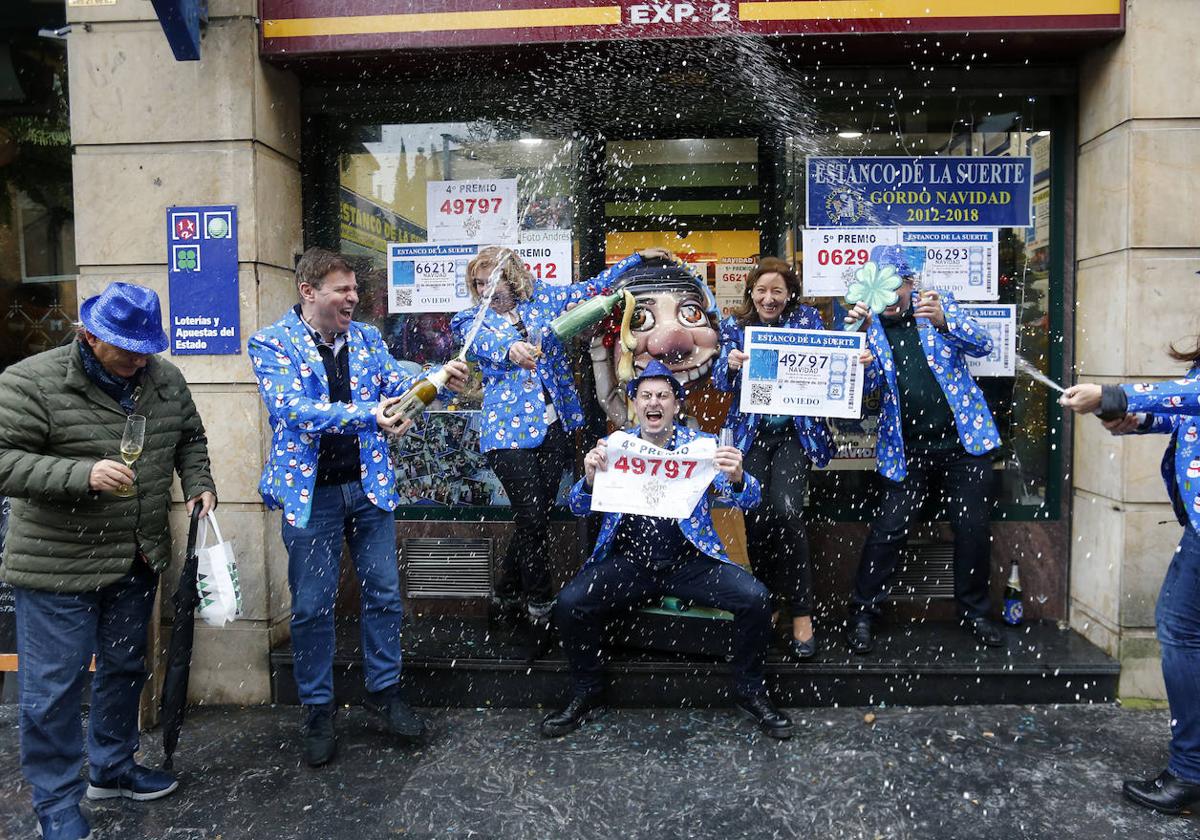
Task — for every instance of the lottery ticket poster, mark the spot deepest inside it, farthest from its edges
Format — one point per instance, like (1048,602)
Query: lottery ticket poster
(961,261)
(548,255)
(643,479)
(811,373)
(1001,321)
(964,263)
(483,212)
(428,278)
(731,283)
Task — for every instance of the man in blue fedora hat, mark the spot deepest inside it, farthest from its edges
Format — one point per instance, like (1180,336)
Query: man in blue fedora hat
(87,539)
(639,557)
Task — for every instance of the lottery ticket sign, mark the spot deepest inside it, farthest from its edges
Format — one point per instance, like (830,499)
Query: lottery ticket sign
(961,261)
(644,479)
(428,278)
(547,255)
(811,373)
(731,282)
(483,212)
(1001,321)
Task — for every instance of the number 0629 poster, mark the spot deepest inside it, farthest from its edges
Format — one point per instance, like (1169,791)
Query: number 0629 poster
(811,373)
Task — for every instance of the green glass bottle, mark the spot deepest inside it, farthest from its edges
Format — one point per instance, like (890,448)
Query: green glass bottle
(572,323)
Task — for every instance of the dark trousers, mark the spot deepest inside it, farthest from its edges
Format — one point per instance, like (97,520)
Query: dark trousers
(776,538)
(966,496)
(617,583)
(1177,618)
(57,633)
(530,478)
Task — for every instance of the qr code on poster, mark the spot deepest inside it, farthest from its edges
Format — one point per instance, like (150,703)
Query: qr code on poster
(401,298)
(760,394)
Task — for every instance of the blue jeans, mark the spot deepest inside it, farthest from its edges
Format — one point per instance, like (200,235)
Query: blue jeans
(57,634)
(1178,621)
(339,512)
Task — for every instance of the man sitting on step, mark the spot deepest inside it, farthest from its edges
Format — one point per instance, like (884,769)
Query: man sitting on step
(638,558)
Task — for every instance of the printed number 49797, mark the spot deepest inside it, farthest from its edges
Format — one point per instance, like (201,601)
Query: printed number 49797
(459,206)
(670,468)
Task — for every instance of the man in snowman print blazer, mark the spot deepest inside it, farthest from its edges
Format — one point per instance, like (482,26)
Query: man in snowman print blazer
(322,376)
(934,427)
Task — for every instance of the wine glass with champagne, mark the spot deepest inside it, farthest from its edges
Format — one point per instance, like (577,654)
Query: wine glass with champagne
(132,442)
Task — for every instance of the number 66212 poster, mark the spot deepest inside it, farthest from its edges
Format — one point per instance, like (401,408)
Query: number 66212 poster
(811,373)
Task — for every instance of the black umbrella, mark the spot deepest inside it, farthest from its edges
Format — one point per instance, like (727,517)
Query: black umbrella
(179,652)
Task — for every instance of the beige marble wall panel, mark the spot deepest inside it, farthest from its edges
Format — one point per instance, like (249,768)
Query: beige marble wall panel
(121,198)
(234,442)
(1163,204)
(127,87)
(1105,81)
(276,294)
(1100,315)
(1098,631)
(231,664)
(1099,460)
(1141,678)
(1164,42)
(1102,210)
(233,368)
(1143,478)
(276,108)
(1097,540)
(1159,285)
(1151,536)
(277,203)
(279,596)
(127,10)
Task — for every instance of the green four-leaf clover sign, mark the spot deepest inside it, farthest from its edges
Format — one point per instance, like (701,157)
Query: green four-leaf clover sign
(875,287)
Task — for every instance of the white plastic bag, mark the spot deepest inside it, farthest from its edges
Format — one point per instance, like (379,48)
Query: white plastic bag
(217,577)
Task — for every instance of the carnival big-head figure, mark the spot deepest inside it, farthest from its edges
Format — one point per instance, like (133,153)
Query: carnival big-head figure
(674,319)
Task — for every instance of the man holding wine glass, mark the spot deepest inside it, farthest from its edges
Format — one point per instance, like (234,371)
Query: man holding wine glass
(87,539)
(330,384)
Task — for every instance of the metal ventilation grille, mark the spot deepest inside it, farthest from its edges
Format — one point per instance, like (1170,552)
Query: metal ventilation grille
(926,571)
(447,567)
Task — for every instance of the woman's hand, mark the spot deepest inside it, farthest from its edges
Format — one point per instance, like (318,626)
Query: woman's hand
(737,358)
(866,357)
(1123,425)
(596,459)
(1082,399)
(459,374)
(656,254)
(522,354)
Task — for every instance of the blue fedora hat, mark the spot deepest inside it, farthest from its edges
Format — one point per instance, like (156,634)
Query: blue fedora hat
(127,316)
(655,370)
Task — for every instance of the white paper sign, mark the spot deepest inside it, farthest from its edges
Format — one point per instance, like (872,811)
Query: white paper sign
(832,255)
(813,373)
(428,278)
(731,283)
(961,261)
(1001,321)
(548,255)
(483,212)
(643,479)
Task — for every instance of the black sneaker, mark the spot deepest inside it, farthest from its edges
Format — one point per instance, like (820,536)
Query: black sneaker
(397,715)
(581,709)
(320,744)
(770,720)
(141,784)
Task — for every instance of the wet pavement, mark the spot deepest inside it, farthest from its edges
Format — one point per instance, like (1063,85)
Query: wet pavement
(935,772)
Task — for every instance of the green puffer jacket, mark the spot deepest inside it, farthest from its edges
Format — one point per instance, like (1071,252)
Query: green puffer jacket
(55,423)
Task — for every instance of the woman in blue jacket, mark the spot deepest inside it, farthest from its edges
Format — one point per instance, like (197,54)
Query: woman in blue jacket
(780,450)
(1168,408)
(529,405)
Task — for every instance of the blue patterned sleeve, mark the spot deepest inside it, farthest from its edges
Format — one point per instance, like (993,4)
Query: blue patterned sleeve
(1176,396)
(746,498)
(283,394)
(963,331)
(731,339)
(579,500)
(489,349)
(393,380)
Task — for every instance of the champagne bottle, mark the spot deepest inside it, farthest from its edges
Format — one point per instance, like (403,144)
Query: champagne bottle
(416,399)
(1014,610)
(570,324)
